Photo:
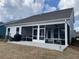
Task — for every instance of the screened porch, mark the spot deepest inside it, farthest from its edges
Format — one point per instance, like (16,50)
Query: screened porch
(53,34)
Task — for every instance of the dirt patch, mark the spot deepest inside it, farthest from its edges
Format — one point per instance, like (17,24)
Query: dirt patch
(14,51)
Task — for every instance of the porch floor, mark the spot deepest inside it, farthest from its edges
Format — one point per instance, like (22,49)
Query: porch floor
(41,45)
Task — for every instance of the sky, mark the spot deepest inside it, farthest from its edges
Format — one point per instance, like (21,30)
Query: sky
(11,10)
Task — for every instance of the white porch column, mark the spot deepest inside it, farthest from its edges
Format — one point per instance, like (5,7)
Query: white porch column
(38,33)
(66,39)
(20,30)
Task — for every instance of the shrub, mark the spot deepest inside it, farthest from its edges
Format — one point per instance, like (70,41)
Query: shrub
(17,37)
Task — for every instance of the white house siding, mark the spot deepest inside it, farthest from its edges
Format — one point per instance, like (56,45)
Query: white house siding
(71,25)
(13,30)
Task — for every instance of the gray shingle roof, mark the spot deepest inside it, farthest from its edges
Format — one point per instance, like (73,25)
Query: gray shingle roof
(66,13)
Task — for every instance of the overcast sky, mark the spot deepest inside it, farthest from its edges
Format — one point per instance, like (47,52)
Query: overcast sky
(18,9)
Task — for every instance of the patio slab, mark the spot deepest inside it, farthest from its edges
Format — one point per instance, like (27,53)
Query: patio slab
(41,45)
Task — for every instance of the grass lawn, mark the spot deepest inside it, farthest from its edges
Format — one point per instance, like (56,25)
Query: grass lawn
(14,51)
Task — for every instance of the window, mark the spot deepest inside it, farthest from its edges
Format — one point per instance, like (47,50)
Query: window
(8,34)
(17,29)
(8,30)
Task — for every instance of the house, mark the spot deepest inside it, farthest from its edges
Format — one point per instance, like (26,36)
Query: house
(77,35)
(2,30)
(55,28)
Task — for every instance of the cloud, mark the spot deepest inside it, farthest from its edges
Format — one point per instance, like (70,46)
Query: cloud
(77,29)
(71,4)
(2,2)
(49,8)
(77,21)
(37,6)
(2,13)
(14,9)
(18,9)
(27,3)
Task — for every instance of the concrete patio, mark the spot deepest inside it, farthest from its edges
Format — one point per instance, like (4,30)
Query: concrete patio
(42,45)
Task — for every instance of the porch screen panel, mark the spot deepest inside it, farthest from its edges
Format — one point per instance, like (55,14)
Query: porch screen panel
(62,34)
(34,35)
(58,34)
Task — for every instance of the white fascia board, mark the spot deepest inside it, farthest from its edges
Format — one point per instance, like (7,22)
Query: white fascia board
(41,23)
(56,20)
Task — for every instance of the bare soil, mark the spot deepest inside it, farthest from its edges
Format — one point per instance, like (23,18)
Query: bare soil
(14,51)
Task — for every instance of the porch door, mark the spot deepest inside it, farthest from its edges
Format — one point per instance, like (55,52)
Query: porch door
(38,34)
(42,33)
(35,33)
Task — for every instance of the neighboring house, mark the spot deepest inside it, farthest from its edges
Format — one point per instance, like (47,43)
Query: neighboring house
(54,27)
(2,30)
(77,35)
